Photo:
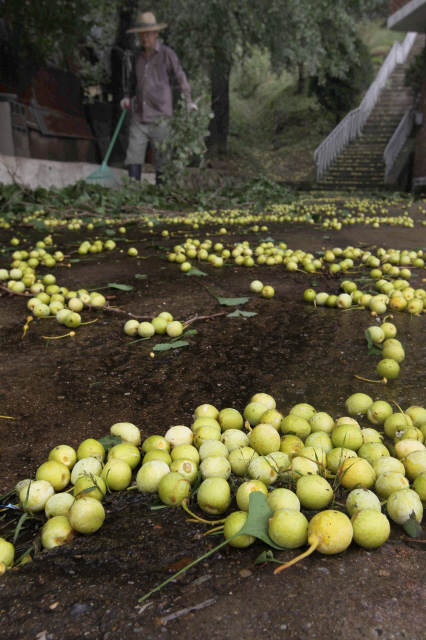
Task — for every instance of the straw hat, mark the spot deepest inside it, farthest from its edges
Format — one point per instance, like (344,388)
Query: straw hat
(147,22)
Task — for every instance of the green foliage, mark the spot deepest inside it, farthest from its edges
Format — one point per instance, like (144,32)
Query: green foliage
(416,72)
(340,95)
(185,142)
(250,72)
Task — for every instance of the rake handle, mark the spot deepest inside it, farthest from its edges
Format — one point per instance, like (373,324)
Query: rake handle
(114,137)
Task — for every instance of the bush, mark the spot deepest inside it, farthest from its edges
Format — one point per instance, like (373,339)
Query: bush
(340,95)
(416,72)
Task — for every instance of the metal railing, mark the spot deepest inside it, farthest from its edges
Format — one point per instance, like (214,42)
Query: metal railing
(351,126)
(398,140)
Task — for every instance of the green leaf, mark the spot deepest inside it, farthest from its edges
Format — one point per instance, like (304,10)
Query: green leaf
(196,272)
(110,232)
(257,523)
(266,556)
(40,226)
(190,332)
(373,349)
(412,528)
(166,346)
(19,526)
(140,276)
(314,283)
(122,287)
(110,441)
(231,302)
(75,260)
(239,313)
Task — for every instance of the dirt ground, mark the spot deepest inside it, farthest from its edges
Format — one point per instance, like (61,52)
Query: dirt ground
(72,389)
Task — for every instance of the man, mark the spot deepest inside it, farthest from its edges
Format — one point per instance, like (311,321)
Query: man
(150,94)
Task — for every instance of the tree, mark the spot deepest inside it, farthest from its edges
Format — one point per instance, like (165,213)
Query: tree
(317,38)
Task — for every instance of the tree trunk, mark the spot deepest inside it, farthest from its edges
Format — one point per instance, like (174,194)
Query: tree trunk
(301,80)
(220,104)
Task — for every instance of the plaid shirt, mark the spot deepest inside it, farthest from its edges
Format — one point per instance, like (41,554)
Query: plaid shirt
(150,86)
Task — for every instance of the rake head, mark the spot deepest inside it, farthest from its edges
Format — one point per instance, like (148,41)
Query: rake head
(104,177)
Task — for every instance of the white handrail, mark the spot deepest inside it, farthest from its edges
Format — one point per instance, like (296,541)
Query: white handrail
(351,126)
(398,140)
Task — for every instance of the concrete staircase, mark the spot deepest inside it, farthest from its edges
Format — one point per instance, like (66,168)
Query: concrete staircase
(360,166)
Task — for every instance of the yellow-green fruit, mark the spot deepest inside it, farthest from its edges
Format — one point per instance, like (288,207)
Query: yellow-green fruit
(230,419)
(332,530)
(206,433)
(385,464)
(54,472)
(214,496)
(204,422)
(394,353)
(409,434)
(265,399)
(215,466)
(296,425)
(65,454)
(379,411)
(302,467)
(56,532)
(321,422)
(396,422)
(303,410)
(371,528)
(116,474)
(263,469)
(291,445)
(59,505)
(348,436)
(264,439)
(179,435)
(362,499)
(86,466)
(283,498)
(155,442)
(403,448)
(92,487)
(288,528)
(403,505)
(415,464)
(272,417)
(371,435)
(7,553)
(91,448)
(233,438)
(150,475)
(389,482)
(188,468)
(211,448)
(187,451)
(371,451)
(417,415)
(419,486)
(157,454)
(233,524)
(206,411)
(253,412)
(337,456)
(280,460)
(244,491)
(173,489)
(87,515)
(128,432)
(127,452)
(240,459)
(356,472)
(316,454)
(35,495)
(314,492)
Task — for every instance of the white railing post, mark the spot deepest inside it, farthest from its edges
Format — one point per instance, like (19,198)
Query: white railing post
(352,124)
(398,140)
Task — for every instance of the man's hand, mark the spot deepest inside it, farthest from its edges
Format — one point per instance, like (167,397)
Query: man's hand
(191,106)
(125,103)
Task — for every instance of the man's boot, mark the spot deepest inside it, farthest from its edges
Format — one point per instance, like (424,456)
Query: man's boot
(135,171)
(159,178)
